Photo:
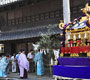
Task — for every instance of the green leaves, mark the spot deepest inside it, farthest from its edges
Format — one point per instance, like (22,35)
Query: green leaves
(50,42)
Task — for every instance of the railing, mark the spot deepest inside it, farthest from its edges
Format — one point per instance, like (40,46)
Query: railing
(75,12)
(35,18)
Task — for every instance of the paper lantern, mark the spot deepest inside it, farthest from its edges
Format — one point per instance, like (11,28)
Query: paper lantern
(74,37)
(79,36)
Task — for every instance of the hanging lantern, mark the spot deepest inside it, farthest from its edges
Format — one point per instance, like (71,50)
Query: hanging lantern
(74,37)
(68,36)
(79,36)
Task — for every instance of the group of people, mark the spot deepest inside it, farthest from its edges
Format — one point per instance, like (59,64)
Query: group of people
(22,63)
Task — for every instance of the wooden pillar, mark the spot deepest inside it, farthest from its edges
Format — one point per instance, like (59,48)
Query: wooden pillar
(26,44)
(66,11)
(13,48)
(7,48)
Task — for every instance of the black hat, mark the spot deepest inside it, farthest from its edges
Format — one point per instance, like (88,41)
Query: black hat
(21,50)
(7,55)
(31,50)
(0,55)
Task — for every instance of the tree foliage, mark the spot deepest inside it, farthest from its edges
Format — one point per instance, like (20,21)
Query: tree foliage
(50,42)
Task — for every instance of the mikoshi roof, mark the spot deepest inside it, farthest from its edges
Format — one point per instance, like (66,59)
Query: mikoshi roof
(80,24)
(30,32)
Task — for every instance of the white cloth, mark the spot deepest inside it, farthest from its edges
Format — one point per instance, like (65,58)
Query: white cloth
(35,46)
(56,53)
(30,56)
(13,64)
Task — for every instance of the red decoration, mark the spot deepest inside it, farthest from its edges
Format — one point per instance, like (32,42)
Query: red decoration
(77,49)
(62,50)
(79,41)
(70,42)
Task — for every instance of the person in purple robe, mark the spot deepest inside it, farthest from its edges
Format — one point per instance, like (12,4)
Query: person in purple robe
(23,64)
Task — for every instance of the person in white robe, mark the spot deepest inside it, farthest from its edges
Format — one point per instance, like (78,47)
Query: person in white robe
(30,57)
(13,63)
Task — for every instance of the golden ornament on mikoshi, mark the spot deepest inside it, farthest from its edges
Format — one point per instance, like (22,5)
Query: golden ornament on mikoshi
(82,34)
(88,39)
(77,35)
(88,54)
(86,10)
(71,36)
(61,25)
(87,35)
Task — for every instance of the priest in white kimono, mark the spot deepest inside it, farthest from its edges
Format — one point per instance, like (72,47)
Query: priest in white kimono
(13,63)
(23,64)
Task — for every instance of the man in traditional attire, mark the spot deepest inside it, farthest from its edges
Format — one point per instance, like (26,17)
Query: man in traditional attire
(39,61)
(8,61)
(3,66)
(13,63)
(17,57)
(30,57)
(23,64)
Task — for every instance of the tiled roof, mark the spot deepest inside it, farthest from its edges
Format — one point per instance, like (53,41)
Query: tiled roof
(30,32)
(5,2)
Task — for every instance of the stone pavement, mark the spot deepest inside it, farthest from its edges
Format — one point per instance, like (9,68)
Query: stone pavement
(15,76)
